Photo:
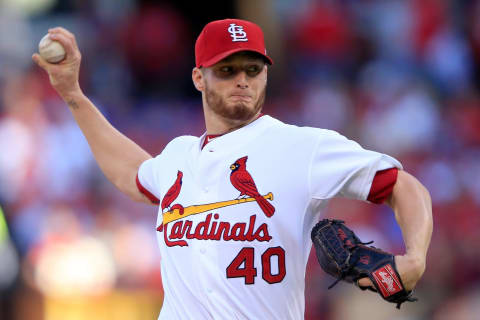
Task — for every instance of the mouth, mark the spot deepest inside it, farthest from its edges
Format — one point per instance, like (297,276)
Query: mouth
(241,97)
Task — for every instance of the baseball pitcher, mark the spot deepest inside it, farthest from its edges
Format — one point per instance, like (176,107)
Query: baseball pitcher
(237,205)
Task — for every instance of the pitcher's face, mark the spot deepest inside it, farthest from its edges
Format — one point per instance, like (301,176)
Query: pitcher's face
(235,87)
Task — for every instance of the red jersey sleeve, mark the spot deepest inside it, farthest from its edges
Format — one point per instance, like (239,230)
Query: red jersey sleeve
(147,193)
(382,185)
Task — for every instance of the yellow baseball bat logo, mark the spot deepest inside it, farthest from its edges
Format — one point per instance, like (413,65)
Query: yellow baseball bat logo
(174,214)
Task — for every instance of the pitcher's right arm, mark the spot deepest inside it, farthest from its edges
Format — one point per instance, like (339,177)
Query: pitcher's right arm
(118,157)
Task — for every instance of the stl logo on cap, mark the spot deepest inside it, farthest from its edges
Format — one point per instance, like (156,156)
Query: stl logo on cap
(237,33)
(221,38)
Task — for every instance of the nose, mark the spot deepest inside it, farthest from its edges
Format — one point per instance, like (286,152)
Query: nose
(241,80)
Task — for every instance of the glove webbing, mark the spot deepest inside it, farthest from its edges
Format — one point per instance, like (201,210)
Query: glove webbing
(331,236)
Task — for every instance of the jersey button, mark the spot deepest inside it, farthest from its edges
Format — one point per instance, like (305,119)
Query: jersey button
(209,290)
(202,250)
(206,190)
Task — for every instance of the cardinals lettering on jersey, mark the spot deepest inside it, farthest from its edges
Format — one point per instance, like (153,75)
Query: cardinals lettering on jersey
(240,231)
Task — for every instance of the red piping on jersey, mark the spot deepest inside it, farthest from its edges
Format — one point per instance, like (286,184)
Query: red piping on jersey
(382,185)
(147,193)
(210,137)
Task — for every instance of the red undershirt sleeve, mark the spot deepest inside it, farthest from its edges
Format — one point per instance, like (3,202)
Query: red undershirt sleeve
(147,193)
(382,185)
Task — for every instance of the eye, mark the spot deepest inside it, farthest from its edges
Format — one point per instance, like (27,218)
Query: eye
(226,69)
(253,70)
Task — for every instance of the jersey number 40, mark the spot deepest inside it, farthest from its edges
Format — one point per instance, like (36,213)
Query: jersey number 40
(248,271)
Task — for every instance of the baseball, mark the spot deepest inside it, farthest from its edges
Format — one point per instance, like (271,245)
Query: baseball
(51,50)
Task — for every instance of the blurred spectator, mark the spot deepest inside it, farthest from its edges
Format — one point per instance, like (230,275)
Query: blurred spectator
(447,60)
(16,43)
(21,126)
(402,116)
(322,31)
(9,269)
(326,105)
(156,40)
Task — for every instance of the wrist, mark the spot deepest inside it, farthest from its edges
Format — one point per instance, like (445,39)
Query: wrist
(417,261)
(71,94)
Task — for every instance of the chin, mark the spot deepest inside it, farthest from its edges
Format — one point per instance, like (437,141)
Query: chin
(234,111)
(239,112)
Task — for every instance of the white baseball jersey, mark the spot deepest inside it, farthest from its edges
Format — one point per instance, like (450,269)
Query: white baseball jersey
(235,226)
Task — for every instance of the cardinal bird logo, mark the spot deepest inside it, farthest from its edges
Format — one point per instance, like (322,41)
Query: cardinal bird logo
(243,182)
(171,195)
(173,192)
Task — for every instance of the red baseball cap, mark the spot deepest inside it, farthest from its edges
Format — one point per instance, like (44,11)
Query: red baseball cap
(222,38)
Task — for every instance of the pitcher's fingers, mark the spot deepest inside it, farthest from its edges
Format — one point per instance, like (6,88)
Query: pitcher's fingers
(66,42)
(365,282)
(62,31)
(40,61)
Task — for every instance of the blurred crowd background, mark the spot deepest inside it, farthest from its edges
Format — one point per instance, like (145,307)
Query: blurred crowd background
(398,76)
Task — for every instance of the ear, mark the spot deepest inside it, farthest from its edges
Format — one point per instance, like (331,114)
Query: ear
(198,79)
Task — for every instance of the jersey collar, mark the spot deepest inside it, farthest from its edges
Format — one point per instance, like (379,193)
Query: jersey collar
(207,138)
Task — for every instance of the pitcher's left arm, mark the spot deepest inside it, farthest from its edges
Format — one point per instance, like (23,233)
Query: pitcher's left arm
(412,206)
